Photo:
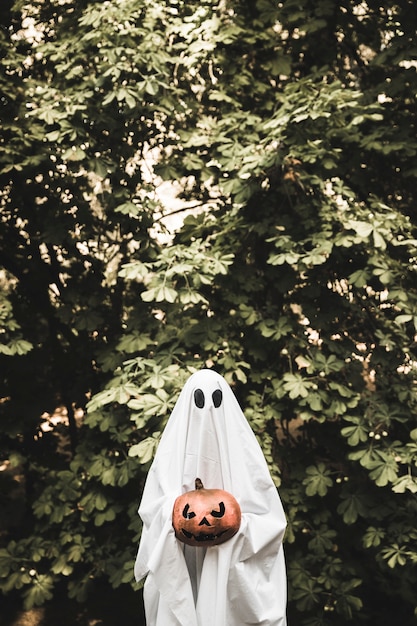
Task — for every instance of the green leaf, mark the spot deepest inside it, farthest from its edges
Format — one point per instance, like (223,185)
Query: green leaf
(317,481)
(405,483)
(307,594)
(107,516)
(160,294)
(403,319)
(145,450)
(275,329)
(109,476)
(167,294)
(280,65)
(384,469)
(359,278)
(39,591)
(16,346)
(373,537)
(284,257)
(315,400)
(61,566)
(134,342)
(355,434)
(394,555)
(296,385)
(6,562)
(134,271)
(128,208)
(352,506)
(322,541)
(363,229)
(158,403)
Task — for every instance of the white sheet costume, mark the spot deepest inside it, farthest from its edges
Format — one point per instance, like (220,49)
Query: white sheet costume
(242,581)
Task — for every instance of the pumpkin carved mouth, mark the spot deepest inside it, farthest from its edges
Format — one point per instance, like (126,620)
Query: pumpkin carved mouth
(202,536)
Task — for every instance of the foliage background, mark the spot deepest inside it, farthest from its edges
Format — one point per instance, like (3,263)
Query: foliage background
(288,131)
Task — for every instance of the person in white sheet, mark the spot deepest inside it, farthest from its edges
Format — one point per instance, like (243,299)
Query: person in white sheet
(242,581)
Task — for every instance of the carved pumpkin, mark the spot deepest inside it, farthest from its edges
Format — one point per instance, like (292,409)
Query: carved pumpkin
(205,517)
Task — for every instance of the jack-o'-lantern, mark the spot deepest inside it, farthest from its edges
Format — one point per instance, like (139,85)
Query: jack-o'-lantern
(205,517)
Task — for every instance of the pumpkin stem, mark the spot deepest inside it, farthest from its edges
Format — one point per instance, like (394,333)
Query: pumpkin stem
(198,484)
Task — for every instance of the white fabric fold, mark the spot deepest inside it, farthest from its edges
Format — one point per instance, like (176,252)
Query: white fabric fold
(241,582)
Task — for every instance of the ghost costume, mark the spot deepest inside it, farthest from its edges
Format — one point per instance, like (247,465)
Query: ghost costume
(242,581)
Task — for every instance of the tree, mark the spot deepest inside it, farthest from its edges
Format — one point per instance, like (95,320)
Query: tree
(290,127)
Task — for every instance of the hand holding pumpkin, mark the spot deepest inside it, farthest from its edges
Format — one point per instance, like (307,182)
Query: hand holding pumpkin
(205,517)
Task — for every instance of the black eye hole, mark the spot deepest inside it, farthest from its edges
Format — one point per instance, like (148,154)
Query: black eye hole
(199,398)
(187,513)
(217,398)
(220,512)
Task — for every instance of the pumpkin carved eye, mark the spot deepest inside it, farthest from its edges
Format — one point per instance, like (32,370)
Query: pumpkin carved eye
(220,512)
(217,398)
(187,513)
(199,398)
